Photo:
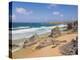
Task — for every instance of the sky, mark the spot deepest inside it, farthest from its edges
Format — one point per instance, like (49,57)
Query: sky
(42,12)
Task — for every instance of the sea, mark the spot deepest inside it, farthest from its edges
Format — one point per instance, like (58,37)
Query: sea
(26,30)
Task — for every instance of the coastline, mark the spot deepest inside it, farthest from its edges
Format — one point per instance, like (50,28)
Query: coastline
(20,42)
(46,51)
(35,45)
(27,33)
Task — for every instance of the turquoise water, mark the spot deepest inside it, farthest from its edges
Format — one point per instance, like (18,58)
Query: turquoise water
(17,26)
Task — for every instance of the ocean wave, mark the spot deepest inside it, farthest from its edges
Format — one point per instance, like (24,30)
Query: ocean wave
(26,33)
(22,33)
(23,30)
(18,28)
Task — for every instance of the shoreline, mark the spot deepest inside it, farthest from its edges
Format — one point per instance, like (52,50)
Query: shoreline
(34,53)
(21,41)
(32,31)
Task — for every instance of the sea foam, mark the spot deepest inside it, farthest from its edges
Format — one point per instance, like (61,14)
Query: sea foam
(28,32)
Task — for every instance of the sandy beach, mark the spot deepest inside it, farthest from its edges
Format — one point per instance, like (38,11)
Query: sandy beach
(50,50)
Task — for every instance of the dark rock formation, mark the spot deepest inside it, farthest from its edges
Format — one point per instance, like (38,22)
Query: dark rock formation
(69,26)
(70,48)
(73,25)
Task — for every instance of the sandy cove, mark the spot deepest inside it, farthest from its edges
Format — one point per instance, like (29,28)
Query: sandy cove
(45,51)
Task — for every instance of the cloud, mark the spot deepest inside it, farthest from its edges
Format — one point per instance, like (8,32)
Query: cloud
(61,15)
(21,10)
(56,13)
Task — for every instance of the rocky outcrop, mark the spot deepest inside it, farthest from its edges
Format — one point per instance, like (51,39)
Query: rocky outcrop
(70,48)
(32,40)
(44,43)
(73,25)
(55,32)
(48,42)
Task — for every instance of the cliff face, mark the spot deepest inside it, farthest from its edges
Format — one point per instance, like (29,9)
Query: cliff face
(70,48)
